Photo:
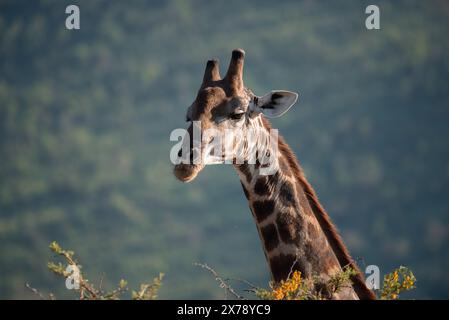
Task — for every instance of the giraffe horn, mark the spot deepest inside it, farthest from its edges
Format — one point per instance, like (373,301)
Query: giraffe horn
(234,76)
(212,72)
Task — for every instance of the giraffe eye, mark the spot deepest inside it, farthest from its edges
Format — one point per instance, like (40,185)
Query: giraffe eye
(237,115)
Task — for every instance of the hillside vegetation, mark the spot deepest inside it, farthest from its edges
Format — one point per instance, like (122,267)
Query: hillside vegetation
(85,118)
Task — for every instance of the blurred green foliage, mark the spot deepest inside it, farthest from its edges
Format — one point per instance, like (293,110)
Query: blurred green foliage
(85,118)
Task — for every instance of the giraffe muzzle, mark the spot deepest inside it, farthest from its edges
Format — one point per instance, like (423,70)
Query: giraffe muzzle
(186,172)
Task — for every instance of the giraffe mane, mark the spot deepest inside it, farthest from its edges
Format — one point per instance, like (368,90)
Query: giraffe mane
(329,229)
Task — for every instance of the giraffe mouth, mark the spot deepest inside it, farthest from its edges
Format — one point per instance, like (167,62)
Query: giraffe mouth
(186,172)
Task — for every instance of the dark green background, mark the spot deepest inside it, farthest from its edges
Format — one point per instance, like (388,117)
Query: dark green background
(85,118)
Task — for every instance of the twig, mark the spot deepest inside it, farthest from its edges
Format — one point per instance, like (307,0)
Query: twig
(100,286)
(220,280)
(35,291)
(253,286)
(292,266)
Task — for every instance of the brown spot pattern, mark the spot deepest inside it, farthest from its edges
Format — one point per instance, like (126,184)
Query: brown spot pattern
(289,227)
(262,209)
(266,184)
(281,265)
(270,237)
(287,194)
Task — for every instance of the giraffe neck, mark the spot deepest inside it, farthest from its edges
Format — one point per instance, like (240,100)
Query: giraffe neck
(292,231)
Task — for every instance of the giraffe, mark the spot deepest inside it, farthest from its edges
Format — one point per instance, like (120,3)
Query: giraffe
(295,230)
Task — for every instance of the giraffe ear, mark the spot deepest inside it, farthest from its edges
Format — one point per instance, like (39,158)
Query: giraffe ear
(275,103)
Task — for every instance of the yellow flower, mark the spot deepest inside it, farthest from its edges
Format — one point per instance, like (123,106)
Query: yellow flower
(296,276)
(287,289)
(395,276)
(278,294)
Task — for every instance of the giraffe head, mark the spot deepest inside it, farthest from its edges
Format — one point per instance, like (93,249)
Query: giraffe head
(225,108)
